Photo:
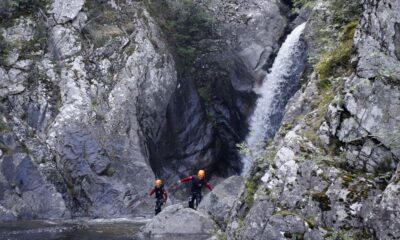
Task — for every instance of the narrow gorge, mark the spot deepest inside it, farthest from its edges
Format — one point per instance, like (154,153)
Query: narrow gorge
(290,106)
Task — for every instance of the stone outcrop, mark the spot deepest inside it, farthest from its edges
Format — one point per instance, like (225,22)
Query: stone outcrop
(216,95)
(96,101)
(177,222)
(219,203)
(331,170)
(80,95)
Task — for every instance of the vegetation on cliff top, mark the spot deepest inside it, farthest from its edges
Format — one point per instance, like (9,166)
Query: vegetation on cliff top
(337,61)
(11,9)
(185,24)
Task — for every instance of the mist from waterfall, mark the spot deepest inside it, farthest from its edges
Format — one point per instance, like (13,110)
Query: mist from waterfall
(278,87)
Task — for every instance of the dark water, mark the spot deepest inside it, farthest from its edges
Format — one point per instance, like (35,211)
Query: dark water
(120,229)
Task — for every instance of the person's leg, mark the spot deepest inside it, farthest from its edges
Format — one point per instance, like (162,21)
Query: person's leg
(191,200)
(158,206)
(198,199)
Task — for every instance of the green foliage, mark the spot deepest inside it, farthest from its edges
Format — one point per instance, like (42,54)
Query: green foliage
(205,95)
(100,12)
(348,235)
(99,28)
(251,188)
(25,149)
(345,11)
(3,124)
(338,58)
(323,199)
(10,9)
(302,3)
(5,149)
(4,50)
(221,236)
(185,23)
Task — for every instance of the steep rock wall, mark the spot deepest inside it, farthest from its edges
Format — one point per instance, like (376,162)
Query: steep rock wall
(331,170)
(82,84)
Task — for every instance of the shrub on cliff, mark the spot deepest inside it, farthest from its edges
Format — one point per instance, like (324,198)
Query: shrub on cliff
(10,9)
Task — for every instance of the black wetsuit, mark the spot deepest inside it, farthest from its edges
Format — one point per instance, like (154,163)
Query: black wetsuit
(197,186)
(161,197)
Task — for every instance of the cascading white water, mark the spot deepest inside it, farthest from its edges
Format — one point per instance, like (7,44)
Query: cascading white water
(278,87)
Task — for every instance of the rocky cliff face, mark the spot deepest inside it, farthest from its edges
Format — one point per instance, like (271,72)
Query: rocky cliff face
(82,83)
(331,170)
(99,97)
(234,44)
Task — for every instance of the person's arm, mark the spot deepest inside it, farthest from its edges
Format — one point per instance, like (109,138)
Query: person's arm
(209,186)
(152,191)
(165,196)
(186,179)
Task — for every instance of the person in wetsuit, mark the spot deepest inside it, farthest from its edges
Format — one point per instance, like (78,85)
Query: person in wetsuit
(161,195)
(198,182)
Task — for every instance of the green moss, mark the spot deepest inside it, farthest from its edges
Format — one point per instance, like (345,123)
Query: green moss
(5,149)
(338,58)
(12,9)
(323,199)
(221,236)
(297,4)
(4,50)
(251,188)
(355,234)
(285,213)
(25,149)
(205,95)
(99,12)
(3,126)
(347,179)
(385,165)
(285,128)
(310,220)
(294,236)
(344,11)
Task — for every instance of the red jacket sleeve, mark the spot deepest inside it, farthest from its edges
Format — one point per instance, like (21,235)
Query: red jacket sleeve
(186,179)
(165,196)
(152,191)
(209,186)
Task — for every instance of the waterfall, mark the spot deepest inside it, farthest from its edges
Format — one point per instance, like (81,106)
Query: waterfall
(278,87)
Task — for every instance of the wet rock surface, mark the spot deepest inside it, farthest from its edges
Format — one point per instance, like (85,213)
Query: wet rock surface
(216,95)
(178,222)
(221,200)
(331,180)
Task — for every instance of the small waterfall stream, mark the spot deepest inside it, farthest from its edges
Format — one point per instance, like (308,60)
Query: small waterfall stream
(278,87)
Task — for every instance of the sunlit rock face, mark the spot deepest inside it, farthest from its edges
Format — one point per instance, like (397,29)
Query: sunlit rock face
(81,82)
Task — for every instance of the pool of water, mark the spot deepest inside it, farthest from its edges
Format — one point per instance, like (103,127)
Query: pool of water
(97,229)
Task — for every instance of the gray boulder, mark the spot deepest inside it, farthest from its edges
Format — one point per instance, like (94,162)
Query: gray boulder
(6,215)
(64,11)
(385,216)
(24,190)
(221,200)
(177,222)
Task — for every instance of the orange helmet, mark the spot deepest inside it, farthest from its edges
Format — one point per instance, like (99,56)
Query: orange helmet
(201,174)
(158,182)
